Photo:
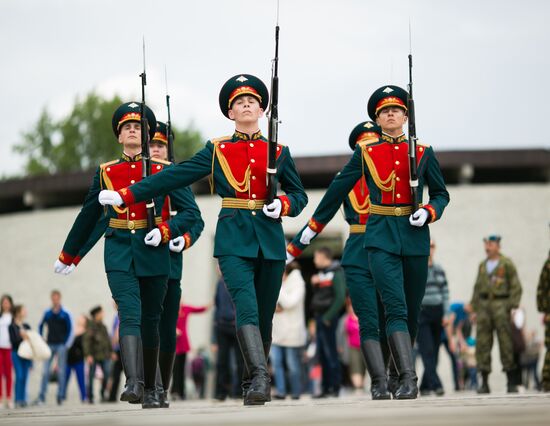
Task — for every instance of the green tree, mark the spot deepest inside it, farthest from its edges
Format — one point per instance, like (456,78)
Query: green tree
(84,138)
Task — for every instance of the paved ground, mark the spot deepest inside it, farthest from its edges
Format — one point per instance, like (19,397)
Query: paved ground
(522,410)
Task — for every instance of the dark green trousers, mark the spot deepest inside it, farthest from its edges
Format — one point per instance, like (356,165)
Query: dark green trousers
(169,317)
(139,301)
(401,283)
(254,285)
(363,299)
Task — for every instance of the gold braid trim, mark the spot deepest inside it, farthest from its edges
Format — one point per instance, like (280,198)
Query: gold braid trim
(241,186)
(359,208)
(110,186)
(382,184)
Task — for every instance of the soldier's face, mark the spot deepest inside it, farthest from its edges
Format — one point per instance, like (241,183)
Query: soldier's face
(130,134)
(391,119)
(158,150)
(492,248)
(246,109)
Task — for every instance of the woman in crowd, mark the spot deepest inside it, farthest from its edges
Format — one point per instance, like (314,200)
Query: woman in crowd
(6,317)
(18,332)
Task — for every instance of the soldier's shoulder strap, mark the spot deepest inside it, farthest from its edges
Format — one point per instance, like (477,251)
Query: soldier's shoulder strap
(420,143)
(108,163)
(216,141)
(368,141)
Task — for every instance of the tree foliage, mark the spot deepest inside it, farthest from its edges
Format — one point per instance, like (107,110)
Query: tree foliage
(84,138)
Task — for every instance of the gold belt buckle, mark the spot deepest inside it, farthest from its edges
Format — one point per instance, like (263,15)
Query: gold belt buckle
(252,204)
(397,211)
(131,224)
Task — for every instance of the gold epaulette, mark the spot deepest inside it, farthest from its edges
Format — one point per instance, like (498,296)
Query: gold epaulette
(108,163)
(221,139)
(158,160)
(422,144)
(368,141)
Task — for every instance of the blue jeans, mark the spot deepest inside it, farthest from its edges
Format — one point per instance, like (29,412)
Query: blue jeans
(292,358)
(21,367)
(78,368)
(59,350)
(104,365)
(328,355)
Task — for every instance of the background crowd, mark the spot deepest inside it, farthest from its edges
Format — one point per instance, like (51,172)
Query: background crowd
(315,349)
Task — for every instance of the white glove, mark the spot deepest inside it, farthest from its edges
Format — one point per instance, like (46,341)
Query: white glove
(153,238)
(274,209)
(307,235)
(289,258)
(177,244)
(68,269)
(59,267)
(419,217)
(110,198)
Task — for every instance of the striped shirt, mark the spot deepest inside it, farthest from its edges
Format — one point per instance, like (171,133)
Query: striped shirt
(437,291)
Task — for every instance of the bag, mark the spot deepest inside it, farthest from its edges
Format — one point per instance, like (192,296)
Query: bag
(25,350)
(34,347)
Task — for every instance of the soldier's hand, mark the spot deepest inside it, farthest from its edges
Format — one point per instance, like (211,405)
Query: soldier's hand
(307,235)
(59,267)
(289,258)
(153,238)
(68,269)
(110,198)
(419,217)
(177,244)
(273,210)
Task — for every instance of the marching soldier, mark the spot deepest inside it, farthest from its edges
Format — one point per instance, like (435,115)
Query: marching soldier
(358,276)
(249,242)
(158,149)
(397,239)
(137,263)
(543,305)
(496,292)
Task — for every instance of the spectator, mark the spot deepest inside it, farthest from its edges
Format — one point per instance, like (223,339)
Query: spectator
(452,338)
(58,323)
(435,306)
(289,333)
(329,292)
(18,332)
(356,364)
(75,358)
(470,363)
(518,341)
(530,360)
(6,318)
(97,351)
(116,364)
(199,369)
(496,292)
(182,347)
(226,346)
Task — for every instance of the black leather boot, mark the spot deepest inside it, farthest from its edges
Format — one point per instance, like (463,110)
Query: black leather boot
(267,348)
(484,388)
(372,352)
(512,385)
(131,356)
(166,366)
(150,367)
(252,349)
(401,349)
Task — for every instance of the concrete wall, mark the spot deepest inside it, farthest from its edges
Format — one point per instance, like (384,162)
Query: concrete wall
(520,213)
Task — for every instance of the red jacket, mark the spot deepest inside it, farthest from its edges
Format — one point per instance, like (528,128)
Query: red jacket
(182,341)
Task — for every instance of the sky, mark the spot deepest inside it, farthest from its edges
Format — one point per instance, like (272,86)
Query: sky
(480,67)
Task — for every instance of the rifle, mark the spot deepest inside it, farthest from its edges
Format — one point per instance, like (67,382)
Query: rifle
(145,157)
(272,136)
(412,136)
(169,134)
(170,137)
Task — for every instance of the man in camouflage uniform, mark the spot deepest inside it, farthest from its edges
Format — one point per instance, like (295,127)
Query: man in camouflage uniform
(543,305)
(496,292)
